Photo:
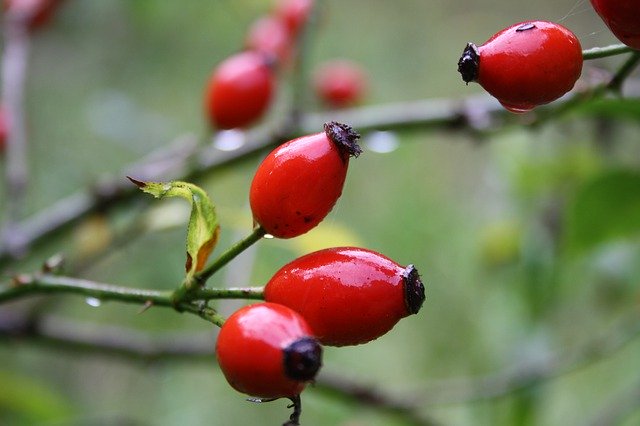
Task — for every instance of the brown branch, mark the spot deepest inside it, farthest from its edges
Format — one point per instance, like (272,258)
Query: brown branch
(184,159)
(136,346)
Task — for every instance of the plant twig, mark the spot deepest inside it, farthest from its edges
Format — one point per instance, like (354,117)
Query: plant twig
(606,51)
(615,84)
(449,114)
(30,285)
(184,292)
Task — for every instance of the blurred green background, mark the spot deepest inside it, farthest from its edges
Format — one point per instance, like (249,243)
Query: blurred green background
(527,238)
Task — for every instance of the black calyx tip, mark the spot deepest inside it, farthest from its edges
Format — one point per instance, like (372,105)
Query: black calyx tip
(345,138)
(303,359)
(413,289)
(469,62)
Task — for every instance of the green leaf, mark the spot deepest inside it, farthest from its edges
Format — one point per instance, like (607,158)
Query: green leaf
(604,209)
(203,229)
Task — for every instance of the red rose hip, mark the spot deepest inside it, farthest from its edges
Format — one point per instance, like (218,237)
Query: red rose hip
(270,36)
(294,13)
(340,83)
(525,65)
(347,295)
(299,182)
(268,351)
(239,91)
(623,19)
(37,13)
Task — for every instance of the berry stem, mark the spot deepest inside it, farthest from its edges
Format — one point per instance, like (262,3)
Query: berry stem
(190,287)
(205,312)
(294,419)
(233,251)
(606,51)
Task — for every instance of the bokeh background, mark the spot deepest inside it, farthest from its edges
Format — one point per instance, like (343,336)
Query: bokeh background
(515,274)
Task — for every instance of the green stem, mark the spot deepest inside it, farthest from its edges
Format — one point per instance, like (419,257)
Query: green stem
(254,293)
(205,312)
(43,284)
(625,70)
(49,284)
(196,283)
(603,52)
(230,254)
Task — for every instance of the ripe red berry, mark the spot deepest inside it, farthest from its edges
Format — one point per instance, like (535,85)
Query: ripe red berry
(623,19)
(299,182)
(239,91)
(268,351)
(528,64)
(340,83)
(270,36)
(347,295)
(37,13)
(294,13)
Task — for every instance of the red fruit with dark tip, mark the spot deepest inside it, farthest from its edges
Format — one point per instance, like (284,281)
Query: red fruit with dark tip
(270,36)
(347,295)
(299,182)
(37,13)
(239,91)
(526,65)
(623,19)
(268,351)
(295,13)
(340,83)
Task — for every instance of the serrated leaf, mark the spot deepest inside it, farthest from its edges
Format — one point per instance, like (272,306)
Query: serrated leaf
(604,209)
(203,229)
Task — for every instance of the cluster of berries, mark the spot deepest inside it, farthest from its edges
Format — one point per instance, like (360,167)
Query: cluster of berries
(337,296)
(242,86)
(532,63)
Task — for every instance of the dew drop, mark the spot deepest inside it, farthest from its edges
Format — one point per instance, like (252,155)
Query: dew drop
(517,109)
(92,301)
(382,142)
(268,236)
(229,140)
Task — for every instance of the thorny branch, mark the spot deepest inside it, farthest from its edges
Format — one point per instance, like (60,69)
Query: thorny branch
(184,159)
(132,345)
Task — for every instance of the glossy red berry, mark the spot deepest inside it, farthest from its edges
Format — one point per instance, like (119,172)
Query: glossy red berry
(299,182)
(347,295)
(526,65)
(270,36)
(340,83)
(268,351)
(37,13)
(295,13)
(239,91)
(623,19)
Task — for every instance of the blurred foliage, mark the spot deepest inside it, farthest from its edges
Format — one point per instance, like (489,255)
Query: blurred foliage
(527,239)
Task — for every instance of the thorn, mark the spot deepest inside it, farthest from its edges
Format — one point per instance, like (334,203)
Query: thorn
(21,279)
(148,304)
(53,264)
(138,183)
